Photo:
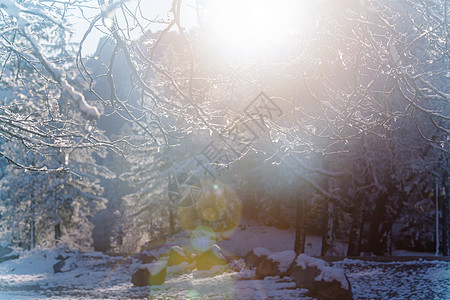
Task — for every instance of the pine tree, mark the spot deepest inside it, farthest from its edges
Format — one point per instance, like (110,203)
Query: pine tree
(49,207)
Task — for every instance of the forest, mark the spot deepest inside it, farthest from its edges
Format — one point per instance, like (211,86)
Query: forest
(332,119)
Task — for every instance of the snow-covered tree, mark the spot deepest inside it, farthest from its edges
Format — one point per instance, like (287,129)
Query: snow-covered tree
(38,92)
(338,65)
(361,78)
(50,207)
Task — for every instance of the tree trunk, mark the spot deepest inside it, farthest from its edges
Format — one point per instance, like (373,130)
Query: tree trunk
(386,239)
(32,226)
(12,225)
(374,238)
(354,238)
(389,241)
(445,215)
(299,244)
(57,233)
(171,221)
(361,230)
(328,229)
(325,245)
(32,233)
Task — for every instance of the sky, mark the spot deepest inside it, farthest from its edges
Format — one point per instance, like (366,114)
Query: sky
(152,8)
(236,25)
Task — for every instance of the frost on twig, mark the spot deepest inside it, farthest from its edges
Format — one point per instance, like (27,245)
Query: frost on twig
(19,13)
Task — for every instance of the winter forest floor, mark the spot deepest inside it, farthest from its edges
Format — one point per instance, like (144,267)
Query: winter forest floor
(98,276)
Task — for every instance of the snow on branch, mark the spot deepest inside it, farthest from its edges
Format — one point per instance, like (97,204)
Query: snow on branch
(18,12)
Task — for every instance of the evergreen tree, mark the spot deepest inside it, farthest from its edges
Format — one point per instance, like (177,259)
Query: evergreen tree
(45,208)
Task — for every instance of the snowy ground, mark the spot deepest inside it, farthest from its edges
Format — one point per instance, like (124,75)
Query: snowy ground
(416,279)
(94,275)
(99,276)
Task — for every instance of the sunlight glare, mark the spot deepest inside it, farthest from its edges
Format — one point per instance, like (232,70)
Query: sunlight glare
(250,26)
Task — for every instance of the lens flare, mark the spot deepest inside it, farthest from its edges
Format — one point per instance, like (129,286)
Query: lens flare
(202,238)
(218,207)
(192,295)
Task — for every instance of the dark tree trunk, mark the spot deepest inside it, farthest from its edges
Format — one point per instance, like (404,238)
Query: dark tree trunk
(380,230)
(445,216)
(57,233)
(32,234)
(171,221)
(361,230)
(300,236)
(386,239)
(325,245)
(354,238)
(328,229)
(376,222)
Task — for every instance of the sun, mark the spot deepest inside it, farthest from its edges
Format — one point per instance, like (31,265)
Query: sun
(248,27)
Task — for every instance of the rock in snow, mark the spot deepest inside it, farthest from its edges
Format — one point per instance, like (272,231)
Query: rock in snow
(275,264)
(255,256)
(284,259)
(260,251)
(321,280)
(146,258)
(176,256)
(210,258)
(267,267)
(154,274)
(65,260)
(141,277)
(6,253)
